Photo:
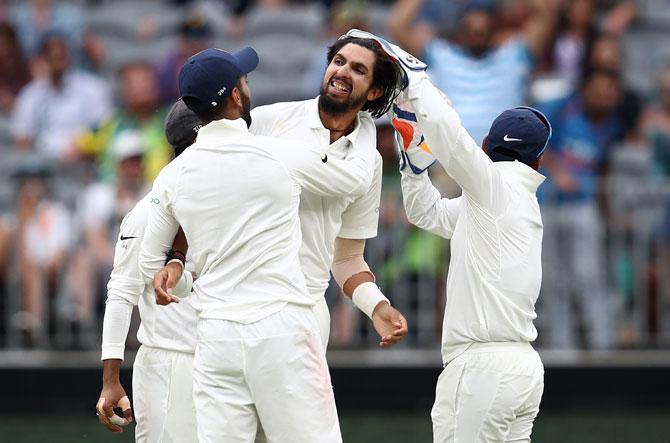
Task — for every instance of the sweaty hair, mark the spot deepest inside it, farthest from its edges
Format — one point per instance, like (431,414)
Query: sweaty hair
(386,74)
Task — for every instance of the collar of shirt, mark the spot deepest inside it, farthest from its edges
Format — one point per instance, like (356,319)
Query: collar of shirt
(521,173)
(315,122)
(218,130)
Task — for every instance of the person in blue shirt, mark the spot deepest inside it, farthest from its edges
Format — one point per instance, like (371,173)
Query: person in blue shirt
(481,76)
(585,124)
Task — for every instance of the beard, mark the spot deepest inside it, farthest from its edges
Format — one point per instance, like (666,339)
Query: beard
(246,110)
(334,107)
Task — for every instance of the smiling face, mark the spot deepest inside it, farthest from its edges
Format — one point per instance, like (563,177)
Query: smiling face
(347,83)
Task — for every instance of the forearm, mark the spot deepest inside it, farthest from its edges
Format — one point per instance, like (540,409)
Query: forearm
(180,243)
(349,267)
(110,371)
(422,202)
(539,27)
(402,16)
(451,144)
(115,326)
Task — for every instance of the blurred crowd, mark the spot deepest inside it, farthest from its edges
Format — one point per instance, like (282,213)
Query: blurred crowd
(84,86)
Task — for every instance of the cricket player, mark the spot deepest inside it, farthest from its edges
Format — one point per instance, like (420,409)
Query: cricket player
(492,382)
(162,372)
(334,228)
(259,354)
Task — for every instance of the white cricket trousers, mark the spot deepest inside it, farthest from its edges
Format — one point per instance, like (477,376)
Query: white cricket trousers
(163,396)
(490,393)
(273,370)
(322,315)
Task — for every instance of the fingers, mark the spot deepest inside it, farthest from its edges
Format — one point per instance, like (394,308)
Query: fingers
(400,331)
(104,411)
(162,283)
(124,404)
(164,299)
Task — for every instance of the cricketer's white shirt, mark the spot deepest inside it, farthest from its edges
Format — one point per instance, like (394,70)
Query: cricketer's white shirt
(171,327)
(495,229)
(236,197)
(323,218)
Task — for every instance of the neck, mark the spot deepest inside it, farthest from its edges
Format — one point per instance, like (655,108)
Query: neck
(338,125)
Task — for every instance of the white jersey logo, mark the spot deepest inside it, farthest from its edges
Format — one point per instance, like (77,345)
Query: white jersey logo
(507,138)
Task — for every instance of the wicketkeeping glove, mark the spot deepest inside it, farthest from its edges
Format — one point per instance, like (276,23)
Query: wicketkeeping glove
(411,144)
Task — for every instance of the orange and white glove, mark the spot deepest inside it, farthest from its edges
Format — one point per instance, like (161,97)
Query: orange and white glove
(412,147)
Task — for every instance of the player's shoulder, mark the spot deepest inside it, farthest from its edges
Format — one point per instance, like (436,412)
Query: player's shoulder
(136,219)
(261,115)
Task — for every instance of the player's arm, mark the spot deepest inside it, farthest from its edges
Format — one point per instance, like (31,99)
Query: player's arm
(124,289)
(353,275)
(403,29)
(326,175)
(425,207)
(539,27)
(453,147)
(160,231)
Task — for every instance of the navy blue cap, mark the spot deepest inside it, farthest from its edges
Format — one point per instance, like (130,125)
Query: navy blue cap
(520,133)
(210,75)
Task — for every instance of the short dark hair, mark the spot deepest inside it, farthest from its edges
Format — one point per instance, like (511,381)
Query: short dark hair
(386,75)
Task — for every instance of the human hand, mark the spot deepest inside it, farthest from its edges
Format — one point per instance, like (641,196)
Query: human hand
(389,324)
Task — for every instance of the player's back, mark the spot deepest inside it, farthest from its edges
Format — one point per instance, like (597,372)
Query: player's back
(495,271)
(238,206)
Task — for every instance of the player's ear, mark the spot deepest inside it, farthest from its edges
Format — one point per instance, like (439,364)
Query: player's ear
(236,96)
(374,93)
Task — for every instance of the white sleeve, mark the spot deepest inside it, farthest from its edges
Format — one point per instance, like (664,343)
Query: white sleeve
(115,326)
(23,118)
(361,218)
(426,208)
(453,147)
(332,177)
(161,226)
(125,286)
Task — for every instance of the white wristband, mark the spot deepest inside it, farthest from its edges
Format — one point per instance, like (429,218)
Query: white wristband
(176,260)
(367,296)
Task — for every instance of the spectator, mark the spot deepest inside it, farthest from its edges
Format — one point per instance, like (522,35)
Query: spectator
(584,126)
(578,29)
(34,18)
(139,110)
(656,125)
(195,35)
(632,206)
(14,72)
(100,210)
(50,111)
(604,52)
(482,79)
(43,246)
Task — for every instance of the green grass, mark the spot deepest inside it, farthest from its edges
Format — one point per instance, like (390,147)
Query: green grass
(364,427)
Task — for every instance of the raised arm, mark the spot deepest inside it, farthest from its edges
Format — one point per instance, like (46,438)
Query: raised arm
(539,27)
(403,30)
(425,207)
(453,147)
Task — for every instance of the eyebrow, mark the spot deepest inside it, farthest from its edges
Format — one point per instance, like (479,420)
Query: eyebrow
(354,64)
